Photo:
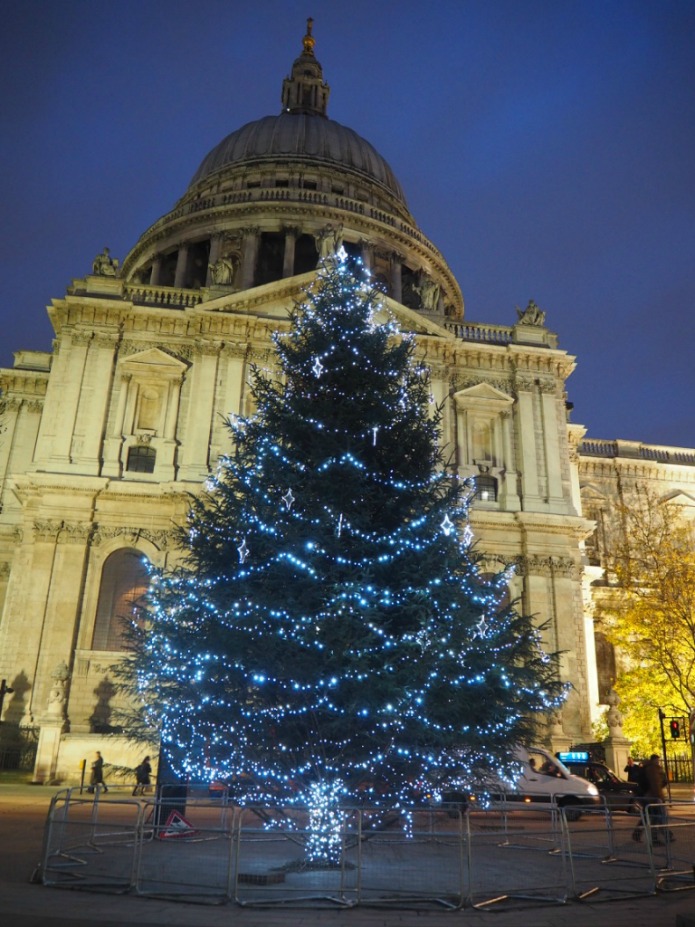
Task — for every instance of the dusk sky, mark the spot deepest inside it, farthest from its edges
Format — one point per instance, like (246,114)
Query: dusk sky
(547,147)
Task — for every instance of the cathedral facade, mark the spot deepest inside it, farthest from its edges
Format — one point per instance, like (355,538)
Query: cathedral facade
(106,436)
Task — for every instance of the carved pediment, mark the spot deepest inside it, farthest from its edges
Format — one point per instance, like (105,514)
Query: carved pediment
(153,363)
(593,496)
(277,299)
(483,397)
(682,499)
(410,320)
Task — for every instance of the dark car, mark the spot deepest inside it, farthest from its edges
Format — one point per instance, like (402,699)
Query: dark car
(617,793)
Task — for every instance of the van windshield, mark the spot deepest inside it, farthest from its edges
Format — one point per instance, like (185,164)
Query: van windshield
(545,765)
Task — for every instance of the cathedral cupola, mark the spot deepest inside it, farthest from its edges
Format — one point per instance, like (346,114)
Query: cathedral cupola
(306,92)
(270,198)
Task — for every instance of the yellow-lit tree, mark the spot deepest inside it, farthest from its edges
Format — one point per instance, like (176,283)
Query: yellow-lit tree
(648,611)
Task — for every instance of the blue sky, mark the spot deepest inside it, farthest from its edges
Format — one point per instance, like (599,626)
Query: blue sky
(546,147)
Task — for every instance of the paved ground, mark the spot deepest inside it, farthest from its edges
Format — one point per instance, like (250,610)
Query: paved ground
(23,904)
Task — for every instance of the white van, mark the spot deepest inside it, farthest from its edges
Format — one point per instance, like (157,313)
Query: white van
(544,779)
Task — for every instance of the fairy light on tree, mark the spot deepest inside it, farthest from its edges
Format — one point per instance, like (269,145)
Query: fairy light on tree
(328,633)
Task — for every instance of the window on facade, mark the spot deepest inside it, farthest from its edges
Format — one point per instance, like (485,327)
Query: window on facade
(305,254)
(486,488)
(124,581)
(148,409)
(271,253)
(409,295)
(167,269)
(141,459)
(481,439)
(592,544)
(605,665)
(197,264)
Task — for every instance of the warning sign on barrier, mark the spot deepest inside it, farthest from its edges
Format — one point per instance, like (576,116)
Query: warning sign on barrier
(176,826)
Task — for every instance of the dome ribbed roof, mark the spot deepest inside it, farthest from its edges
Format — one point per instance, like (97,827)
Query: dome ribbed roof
(304,137)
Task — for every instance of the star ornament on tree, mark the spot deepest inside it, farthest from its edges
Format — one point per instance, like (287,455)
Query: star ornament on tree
(318,367)
(482,626)
(447,525)
(243,551)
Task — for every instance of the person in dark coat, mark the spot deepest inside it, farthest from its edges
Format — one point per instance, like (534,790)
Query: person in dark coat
(98,773)
(142,776)
(652,782)
(632,770)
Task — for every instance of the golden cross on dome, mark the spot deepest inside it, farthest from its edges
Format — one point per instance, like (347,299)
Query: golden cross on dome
(309,41)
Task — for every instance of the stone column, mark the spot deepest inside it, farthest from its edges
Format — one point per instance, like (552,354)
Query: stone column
(526,435)
(215,250)
(62,401)
(166,447)
(288,259)
(248,257)
(509,490)
(156,270)
(558,738)
(551,441)
(181,266)
(396,277)
(114,441)
(195,439)
(11,414)
(92,412)
(367,254)
(232,367)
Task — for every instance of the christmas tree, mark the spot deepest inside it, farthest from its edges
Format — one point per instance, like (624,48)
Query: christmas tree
(328,633)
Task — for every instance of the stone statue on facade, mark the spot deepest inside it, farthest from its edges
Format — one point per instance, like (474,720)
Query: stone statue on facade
(104,265)
(223,271)
(531,315)
(428,292)
(57,694)
(614,717)
(328,240)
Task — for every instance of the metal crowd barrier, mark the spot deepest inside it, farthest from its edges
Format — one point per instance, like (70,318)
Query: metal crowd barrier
(91,843)
(193,845)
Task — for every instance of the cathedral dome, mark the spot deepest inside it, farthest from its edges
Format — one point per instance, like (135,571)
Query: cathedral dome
(300,136)
(269,200)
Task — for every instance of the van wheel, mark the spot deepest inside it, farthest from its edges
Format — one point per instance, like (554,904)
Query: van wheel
(571,813)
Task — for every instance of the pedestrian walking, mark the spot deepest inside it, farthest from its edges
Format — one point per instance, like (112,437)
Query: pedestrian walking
(142,776)
(98,774)
(652,787)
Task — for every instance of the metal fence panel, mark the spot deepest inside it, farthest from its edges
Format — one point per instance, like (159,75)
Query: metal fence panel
(91,843)
(186,851)
(271,865)
(673,847)
(515,854)
(412,858)
(605,859)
